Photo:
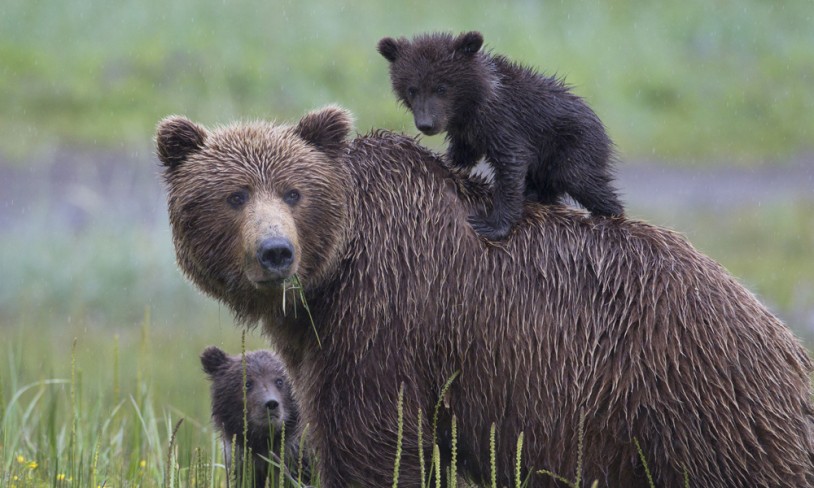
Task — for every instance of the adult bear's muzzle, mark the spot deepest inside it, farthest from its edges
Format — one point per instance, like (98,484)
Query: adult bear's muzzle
(276,255)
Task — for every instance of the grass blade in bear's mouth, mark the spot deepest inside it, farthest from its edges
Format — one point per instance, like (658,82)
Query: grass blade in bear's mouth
(293,284)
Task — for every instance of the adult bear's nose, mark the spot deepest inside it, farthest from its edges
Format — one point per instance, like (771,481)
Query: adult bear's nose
(272,404)
(276,254)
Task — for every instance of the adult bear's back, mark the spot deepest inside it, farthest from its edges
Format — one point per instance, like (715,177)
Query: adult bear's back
(617,320)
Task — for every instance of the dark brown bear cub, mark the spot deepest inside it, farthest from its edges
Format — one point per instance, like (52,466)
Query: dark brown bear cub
(541,139)
(269,406)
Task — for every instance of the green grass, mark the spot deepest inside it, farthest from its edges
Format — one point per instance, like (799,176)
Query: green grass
(99,405)
(695,81)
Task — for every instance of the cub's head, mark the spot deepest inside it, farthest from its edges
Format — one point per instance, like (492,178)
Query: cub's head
(269,401)
(435,75)
(252,205)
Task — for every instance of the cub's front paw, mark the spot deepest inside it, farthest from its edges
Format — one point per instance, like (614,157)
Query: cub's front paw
(488,229)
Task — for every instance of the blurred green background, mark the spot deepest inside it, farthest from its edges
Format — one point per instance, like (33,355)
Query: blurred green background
(680,80)
(709,102)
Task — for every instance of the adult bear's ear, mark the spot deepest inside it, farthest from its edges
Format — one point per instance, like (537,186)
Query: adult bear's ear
(176,139)
(326,128)
(468,43)
(213,360)
(390,48)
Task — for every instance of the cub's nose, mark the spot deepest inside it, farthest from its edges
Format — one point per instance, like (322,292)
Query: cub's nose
(276,254)
(272,404)
(424,125)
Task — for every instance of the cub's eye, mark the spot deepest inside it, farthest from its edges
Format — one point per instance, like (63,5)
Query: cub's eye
(249,385)
(412,92)
(237,199)
(291,197)
(279,383)
(440,90)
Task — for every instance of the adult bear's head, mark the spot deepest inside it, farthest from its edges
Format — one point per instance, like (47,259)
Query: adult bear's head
(252,205)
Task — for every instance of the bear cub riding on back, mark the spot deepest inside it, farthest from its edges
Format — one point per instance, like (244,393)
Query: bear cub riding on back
(542,140)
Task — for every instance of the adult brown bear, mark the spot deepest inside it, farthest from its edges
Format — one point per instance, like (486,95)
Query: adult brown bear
(617,320)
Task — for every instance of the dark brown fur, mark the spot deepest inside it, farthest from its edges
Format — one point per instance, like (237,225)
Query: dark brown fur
(615,319)
(541,139)
(270,406)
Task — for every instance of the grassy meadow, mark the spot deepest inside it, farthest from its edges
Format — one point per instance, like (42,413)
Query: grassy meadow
(101,333)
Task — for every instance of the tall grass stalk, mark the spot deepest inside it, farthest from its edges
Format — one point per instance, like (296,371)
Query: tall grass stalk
(244,465)
(518,461)
(281,477)
(399,436)
(493,455)
(232,467)
(436,460)
(95,462)
(73,458)
(453,466)
(441,396)
(3,399)
(644,463)
(295,285)
(116,372)
(300,454)
(557,477)
(215,446)
(170,468)
(580,447)
(143,357)
(421,467)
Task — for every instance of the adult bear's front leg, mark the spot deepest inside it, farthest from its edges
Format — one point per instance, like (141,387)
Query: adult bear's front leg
(356,428)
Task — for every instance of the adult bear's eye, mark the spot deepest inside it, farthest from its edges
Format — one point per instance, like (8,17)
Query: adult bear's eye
(249,385)
(291,197)
(237,199)
(440,90)
(412,92)
(279,383)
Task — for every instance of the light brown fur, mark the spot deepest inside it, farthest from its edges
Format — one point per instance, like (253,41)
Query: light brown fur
(615,319)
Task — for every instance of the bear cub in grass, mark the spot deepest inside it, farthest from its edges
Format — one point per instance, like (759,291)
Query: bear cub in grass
(542,140)
(269,406)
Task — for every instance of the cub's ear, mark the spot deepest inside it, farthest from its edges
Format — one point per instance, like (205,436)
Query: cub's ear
(390,48)
(213,360)
(468,43)
(326,128)
(176,139)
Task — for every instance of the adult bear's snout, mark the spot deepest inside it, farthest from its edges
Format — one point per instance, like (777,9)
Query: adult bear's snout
(276,255)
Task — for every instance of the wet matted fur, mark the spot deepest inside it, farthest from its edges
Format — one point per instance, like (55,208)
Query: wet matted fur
(617,320)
